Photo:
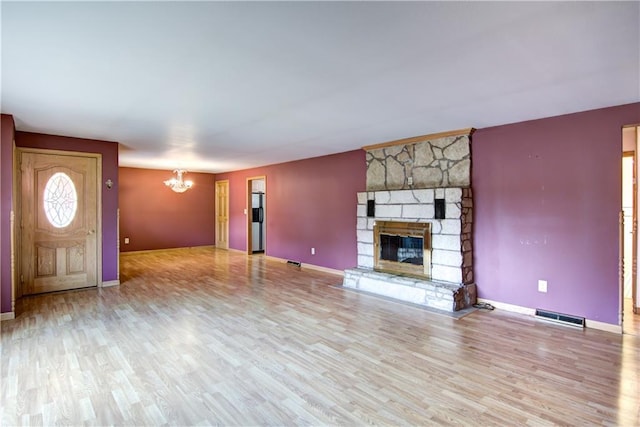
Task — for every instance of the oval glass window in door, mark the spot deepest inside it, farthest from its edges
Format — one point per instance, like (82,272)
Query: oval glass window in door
(60,200)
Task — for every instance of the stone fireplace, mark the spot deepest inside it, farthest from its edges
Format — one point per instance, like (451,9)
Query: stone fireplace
(414,222)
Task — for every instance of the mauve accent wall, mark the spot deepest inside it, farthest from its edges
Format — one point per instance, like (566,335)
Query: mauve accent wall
(153,216)
(309,203)
(547,195)
(6,190)
(109,151)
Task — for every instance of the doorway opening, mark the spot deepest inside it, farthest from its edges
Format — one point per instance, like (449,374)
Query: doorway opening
(630,312)
(256,215)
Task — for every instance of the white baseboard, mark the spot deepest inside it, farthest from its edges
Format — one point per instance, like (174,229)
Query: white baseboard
(324,269)
(509,307)
(310,266)
(109,283)
(593,324)
(7,316)
(150,251)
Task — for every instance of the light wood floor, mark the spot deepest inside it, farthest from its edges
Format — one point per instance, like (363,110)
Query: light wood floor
(213,337)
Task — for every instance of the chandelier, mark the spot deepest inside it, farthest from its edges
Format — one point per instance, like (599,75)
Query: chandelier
(178,184)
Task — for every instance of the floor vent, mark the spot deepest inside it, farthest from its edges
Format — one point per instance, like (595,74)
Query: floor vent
(565,319)
(294,263)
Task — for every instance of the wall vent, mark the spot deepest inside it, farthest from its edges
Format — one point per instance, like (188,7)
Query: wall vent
(565,319)
(294,263)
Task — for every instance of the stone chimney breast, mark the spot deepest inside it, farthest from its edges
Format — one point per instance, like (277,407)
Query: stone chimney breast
(406,179)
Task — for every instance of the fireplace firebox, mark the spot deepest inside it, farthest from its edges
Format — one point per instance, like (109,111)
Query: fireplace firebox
(403,248)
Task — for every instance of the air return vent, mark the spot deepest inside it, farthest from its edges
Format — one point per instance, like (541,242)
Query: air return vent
(294,263)
(565,319)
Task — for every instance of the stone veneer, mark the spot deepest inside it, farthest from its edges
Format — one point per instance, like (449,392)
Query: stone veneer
(404,178)
(428,163)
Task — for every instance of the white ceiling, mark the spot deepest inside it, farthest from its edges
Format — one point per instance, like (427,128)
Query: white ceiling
(230,85)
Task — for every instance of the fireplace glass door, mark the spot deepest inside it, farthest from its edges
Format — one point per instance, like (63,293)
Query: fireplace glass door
(403,248)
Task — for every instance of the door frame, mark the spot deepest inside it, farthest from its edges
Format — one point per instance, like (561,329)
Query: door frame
(216,223)
(17,257)
(634,236)
(636,188)
(248,211)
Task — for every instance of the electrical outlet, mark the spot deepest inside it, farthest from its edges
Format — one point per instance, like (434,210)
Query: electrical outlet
(313,251)
(542,286)
(410,180)
(126,240)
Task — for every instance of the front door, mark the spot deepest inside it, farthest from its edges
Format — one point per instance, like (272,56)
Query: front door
(59,243)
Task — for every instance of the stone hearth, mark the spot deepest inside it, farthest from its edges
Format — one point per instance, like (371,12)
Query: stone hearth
(438,295)
(422,180)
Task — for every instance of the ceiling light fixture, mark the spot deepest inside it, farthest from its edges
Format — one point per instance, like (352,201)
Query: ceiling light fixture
(178,184)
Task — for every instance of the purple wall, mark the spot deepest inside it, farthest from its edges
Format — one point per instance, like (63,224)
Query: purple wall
(154,217)
(109,151)
(309,203)
(7,129)
(547,195)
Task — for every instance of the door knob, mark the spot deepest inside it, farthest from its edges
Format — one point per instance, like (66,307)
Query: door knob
(90,232)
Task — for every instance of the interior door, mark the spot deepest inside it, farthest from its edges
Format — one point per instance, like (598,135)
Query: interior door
(59,222)
(222,214)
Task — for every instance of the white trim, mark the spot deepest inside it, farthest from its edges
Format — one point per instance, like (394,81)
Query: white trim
(324,269)
(10,315)
(14,274)
(150,251)
(110,283)
(310,266)
(118,245)
(592,324)
(509,307)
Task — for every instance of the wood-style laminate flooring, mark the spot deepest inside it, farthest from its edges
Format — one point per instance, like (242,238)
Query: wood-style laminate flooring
(212,337)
